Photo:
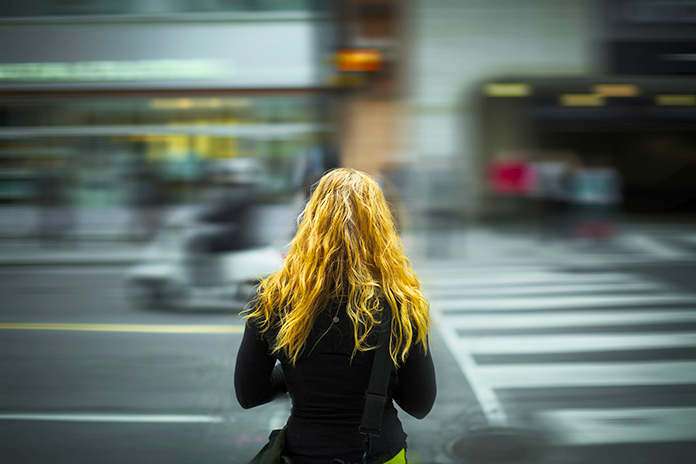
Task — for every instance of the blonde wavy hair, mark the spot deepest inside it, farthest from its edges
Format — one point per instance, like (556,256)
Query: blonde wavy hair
(346,247)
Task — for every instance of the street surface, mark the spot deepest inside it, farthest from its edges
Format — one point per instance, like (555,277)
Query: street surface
(87,379)
(594,353)
(599,359)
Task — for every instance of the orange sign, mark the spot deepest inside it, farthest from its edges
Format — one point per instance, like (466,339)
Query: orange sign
(359,60)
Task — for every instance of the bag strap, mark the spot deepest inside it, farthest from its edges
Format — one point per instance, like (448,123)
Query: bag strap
(376,394)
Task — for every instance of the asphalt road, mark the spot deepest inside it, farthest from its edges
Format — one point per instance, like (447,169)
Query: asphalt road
(85,378)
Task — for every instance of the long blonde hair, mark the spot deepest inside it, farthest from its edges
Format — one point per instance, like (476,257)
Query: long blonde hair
(346,247)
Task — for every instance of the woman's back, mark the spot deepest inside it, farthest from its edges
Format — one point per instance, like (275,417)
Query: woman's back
(327,386)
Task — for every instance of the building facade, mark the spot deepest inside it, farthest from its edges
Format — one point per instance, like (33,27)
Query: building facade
(98,89)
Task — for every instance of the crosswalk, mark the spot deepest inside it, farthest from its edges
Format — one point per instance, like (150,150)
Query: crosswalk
(645,246)
(572,352)
(634,245)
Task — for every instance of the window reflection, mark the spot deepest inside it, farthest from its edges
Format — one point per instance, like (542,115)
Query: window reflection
(184,138)
(42,8)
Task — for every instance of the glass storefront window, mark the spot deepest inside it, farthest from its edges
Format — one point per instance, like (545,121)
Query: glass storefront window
(98,142)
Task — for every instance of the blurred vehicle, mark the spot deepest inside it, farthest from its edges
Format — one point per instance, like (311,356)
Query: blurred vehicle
(171,277)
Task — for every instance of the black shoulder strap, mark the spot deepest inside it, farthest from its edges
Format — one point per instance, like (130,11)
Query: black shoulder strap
(376,394)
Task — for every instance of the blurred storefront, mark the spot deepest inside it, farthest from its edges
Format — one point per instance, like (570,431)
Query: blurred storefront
(540,51)
(97,90)
(641,127)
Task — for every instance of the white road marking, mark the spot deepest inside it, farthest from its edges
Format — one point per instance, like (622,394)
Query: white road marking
(447,267)
(536,344)
(548,289)
(589,374)
(601,426)
(149,418)
(505,278)
(472,322)
(654,247)
(558,302)
(485,395)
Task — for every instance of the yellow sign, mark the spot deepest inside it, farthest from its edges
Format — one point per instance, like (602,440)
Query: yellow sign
(675,100)
(616,90)
(507,90)
(578,99)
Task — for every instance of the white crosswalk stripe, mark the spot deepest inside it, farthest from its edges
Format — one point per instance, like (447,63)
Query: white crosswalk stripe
(590,374)
(466,291)
(534,343)
(603,426)
(471,322)
(498,323)
(651,245)
(454,278)
(552,303)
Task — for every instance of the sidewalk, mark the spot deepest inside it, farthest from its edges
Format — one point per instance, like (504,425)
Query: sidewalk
(101,236)
(102,240)
(478,245)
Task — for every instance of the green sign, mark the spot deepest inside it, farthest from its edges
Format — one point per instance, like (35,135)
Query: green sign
(144,70)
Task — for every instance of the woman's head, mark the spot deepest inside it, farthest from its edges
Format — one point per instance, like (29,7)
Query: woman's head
(346,247)
(346,226)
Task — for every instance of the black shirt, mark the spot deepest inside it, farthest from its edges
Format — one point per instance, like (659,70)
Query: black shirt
(327,387)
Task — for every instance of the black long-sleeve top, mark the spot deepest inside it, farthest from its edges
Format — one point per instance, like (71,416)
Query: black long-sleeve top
(327,387)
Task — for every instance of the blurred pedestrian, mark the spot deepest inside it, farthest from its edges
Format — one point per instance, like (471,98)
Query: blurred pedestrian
(393,196)
(53,193)
(551,184)
(320,316)
(511,179)
(229,211)
(147,200)
(595,198)
(310,171)
(225,224)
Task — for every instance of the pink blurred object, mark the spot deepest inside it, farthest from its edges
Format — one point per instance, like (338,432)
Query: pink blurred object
(511,177)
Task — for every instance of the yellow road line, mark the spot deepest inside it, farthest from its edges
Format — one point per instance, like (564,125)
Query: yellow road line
(142,328)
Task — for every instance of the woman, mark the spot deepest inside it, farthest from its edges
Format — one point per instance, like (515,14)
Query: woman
(319,314)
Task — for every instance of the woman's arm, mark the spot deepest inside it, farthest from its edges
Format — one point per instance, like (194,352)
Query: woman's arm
(416,389)
(257,379)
